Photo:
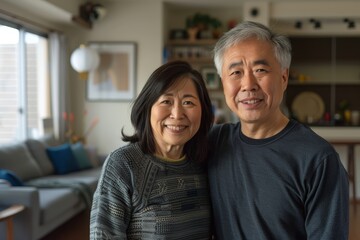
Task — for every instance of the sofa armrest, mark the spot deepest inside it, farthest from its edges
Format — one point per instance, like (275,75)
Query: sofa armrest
(26,223)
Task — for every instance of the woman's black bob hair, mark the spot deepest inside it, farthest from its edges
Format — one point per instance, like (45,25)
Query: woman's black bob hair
(160,80)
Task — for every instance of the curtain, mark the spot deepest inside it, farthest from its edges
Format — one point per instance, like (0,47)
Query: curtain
(59,82)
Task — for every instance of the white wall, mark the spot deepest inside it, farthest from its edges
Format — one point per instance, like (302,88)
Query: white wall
(134,21)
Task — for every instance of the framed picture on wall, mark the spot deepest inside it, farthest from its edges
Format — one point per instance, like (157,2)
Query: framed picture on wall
(211,77)
(115,77)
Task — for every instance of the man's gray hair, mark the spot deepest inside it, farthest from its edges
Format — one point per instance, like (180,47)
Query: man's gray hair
(246,30)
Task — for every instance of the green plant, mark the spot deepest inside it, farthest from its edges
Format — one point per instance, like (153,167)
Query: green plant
(344,105)
(198,20)
(190,22)
(215,23)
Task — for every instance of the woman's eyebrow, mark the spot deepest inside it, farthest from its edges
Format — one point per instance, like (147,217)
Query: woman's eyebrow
(189,95)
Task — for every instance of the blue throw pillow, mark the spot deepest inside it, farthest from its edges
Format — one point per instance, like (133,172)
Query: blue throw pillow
(81,156)
(62,159)
(10,177)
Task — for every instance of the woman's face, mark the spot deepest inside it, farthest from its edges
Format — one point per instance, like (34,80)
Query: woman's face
(175,118)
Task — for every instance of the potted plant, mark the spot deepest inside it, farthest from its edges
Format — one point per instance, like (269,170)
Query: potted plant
(191,28)
(196,24)
(216,27)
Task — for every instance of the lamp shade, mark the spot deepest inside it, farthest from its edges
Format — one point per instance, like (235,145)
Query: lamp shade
(84,59)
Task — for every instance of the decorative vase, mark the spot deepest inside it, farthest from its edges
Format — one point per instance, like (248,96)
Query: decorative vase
(192,32)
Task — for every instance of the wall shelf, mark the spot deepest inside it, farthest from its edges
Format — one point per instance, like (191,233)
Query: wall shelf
(329,66)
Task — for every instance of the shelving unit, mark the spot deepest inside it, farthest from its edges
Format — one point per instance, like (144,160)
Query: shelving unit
(197,52)
(327,66)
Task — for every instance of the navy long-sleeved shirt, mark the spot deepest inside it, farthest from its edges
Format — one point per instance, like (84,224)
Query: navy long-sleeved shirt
(289,186)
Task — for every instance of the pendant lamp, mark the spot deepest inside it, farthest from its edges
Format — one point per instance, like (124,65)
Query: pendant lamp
(83,60)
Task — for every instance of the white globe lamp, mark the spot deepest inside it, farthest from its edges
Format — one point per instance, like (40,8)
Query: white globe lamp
(83,60)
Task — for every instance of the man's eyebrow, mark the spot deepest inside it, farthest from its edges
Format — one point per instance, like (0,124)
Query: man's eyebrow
(261,62)
(235,64)
(255,63)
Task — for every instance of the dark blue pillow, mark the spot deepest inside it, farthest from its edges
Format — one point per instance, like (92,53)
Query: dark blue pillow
(10,177)
(62,159)
(81,156)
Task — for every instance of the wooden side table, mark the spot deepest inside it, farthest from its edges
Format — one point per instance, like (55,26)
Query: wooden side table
(7,215)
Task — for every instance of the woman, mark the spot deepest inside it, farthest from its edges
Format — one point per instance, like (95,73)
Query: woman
(156,187)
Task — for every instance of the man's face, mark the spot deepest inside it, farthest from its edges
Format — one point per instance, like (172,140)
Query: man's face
(253,81)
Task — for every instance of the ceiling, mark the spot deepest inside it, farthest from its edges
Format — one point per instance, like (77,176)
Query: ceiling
(61,12)
(214,3)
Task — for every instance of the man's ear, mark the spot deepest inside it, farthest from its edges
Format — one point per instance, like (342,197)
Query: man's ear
(285,78)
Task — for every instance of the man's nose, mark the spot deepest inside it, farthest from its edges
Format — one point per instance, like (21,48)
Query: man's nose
(249,82)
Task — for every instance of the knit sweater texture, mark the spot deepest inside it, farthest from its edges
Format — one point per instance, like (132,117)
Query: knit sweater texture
(142,197)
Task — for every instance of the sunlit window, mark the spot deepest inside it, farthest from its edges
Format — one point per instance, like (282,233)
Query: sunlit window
(24,84)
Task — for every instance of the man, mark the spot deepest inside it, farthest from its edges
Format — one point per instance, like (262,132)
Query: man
(270,177)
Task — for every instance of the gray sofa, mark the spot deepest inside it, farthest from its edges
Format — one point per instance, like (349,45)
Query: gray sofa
(50,198)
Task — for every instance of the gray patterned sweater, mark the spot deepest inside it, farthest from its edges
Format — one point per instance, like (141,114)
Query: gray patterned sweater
(141,197)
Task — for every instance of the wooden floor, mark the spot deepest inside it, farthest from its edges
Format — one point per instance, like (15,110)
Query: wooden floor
(75,229)
(354,232)
(78,227)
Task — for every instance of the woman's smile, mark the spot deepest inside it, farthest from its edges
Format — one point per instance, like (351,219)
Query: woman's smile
(175,117)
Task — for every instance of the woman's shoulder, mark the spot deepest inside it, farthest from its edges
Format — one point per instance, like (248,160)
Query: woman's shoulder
(128,150)
(127,156)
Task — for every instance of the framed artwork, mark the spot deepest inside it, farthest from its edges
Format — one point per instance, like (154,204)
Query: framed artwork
(211,78)
(114,79)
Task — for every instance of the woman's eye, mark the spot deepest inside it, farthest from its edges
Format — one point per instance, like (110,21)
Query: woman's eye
(165,101)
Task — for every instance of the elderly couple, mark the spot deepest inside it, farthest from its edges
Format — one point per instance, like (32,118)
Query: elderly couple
(180,177)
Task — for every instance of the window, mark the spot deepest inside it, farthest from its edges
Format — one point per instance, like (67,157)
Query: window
(24,83)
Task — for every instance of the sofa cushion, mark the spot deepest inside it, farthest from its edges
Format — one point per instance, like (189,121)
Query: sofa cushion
(93,156)
(38,149)
(56,202)
(11,178)
(17,158)
(88,177)
(81,156)
(62,158)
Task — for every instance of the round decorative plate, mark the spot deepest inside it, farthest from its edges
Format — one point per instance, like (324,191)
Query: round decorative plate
(308,107)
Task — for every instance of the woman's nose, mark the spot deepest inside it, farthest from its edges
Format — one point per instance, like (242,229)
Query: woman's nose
(177,111)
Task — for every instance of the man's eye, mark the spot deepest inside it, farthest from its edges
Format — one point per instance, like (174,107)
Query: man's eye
(188,103)
(235,73)
(260,72)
